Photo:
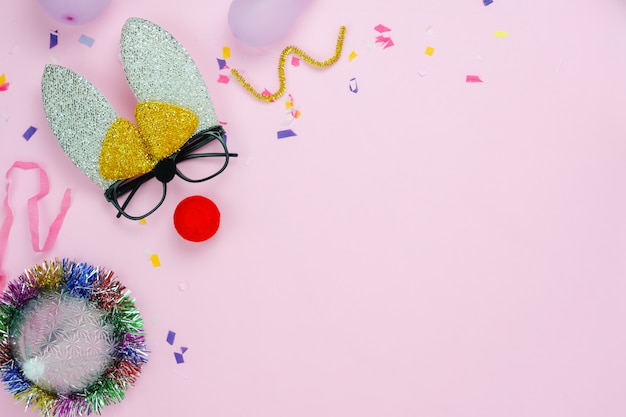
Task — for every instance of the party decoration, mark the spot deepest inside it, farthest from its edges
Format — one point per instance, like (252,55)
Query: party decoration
(258,23)
(196,218)
(175,119)
(74,11)
(71,339)
(281,68)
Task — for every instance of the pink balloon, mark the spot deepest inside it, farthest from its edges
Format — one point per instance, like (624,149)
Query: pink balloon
(258,23)
(74,11)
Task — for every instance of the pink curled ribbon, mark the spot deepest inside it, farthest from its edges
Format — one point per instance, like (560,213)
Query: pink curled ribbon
(33,215)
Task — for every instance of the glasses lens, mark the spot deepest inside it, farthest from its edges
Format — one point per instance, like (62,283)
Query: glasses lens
(204,163)
(138,199)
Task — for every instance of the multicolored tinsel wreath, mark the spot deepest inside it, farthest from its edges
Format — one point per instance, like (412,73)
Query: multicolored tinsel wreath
(71,339)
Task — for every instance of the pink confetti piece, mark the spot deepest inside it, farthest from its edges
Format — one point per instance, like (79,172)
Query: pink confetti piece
(381,28)
(473,79)
(223,79)
(4,86)
(295,61)
(266,93)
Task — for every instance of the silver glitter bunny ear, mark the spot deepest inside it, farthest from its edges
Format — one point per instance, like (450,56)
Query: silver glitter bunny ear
(158,68)
(79,116)
(174,119)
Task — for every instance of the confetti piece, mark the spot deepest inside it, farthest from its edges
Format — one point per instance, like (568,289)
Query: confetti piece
(266,93)
(381,28)
(500,34)
(4,85)
(143,221)
(226,52)
(487,2)
(388,44)
(179,358)
(558,67)
(86,40)
(54,39)
(295,61)
(183,286)
(221,63)
(29,132)
(224,79)
(352,55)
(154,258)
(429,51)
(421,72)
(183,349)
(353,86)
(473,79)
(170,337)
(430,31)
(282,134)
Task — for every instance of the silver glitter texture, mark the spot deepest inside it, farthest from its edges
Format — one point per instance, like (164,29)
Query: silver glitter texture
(158,68)
(79,116)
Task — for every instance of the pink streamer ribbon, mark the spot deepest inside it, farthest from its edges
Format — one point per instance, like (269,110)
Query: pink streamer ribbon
(33,215)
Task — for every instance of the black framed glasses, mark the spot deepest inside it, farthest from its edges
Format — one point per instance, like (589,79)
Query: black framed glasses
(134,198)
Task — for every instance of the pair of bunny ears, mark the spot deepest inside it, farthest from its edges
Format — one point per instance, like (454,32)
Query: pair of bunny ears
(173,105)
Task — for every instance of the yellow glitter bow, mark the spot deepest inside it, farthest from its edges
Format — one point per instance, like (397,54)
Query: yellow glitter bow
(130,150)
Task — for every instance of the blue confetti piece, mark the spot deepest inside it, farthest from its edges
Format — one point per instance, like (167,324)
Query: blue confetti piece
(54,39)
(487,2)
(86,40)
(170,337)
(222,63)
(183,349)
(179,357)
(282,134)
(29,132)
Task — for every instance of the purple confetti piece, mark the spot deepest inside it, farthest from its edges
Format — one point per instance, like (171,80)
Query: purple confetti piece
(29,132)
(86,40)
(179,358)
(282,134)
(353,86)
(221,63)
(54,39)
(487,2)
(183,349)
(170,337)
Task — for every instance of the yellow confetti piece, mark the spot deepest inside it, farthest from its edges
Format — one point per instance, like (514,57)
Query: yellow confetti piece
(429,50)
(500,34)
(143,221)
(154,258)
(289,104)
(225,52)
(352,55)
(3,78)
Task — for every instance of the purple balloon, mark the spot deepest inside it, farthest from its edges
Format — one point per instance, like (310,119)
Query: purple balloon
(258,23)
(74,11)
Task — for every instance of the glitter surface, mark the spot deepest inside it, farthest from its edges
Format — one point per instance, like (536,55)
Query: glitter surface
(79,116)
(158,68)
(130,150)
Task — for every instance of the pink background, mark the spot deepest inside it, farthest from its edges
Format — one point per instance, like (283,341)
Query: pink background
(425,247)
